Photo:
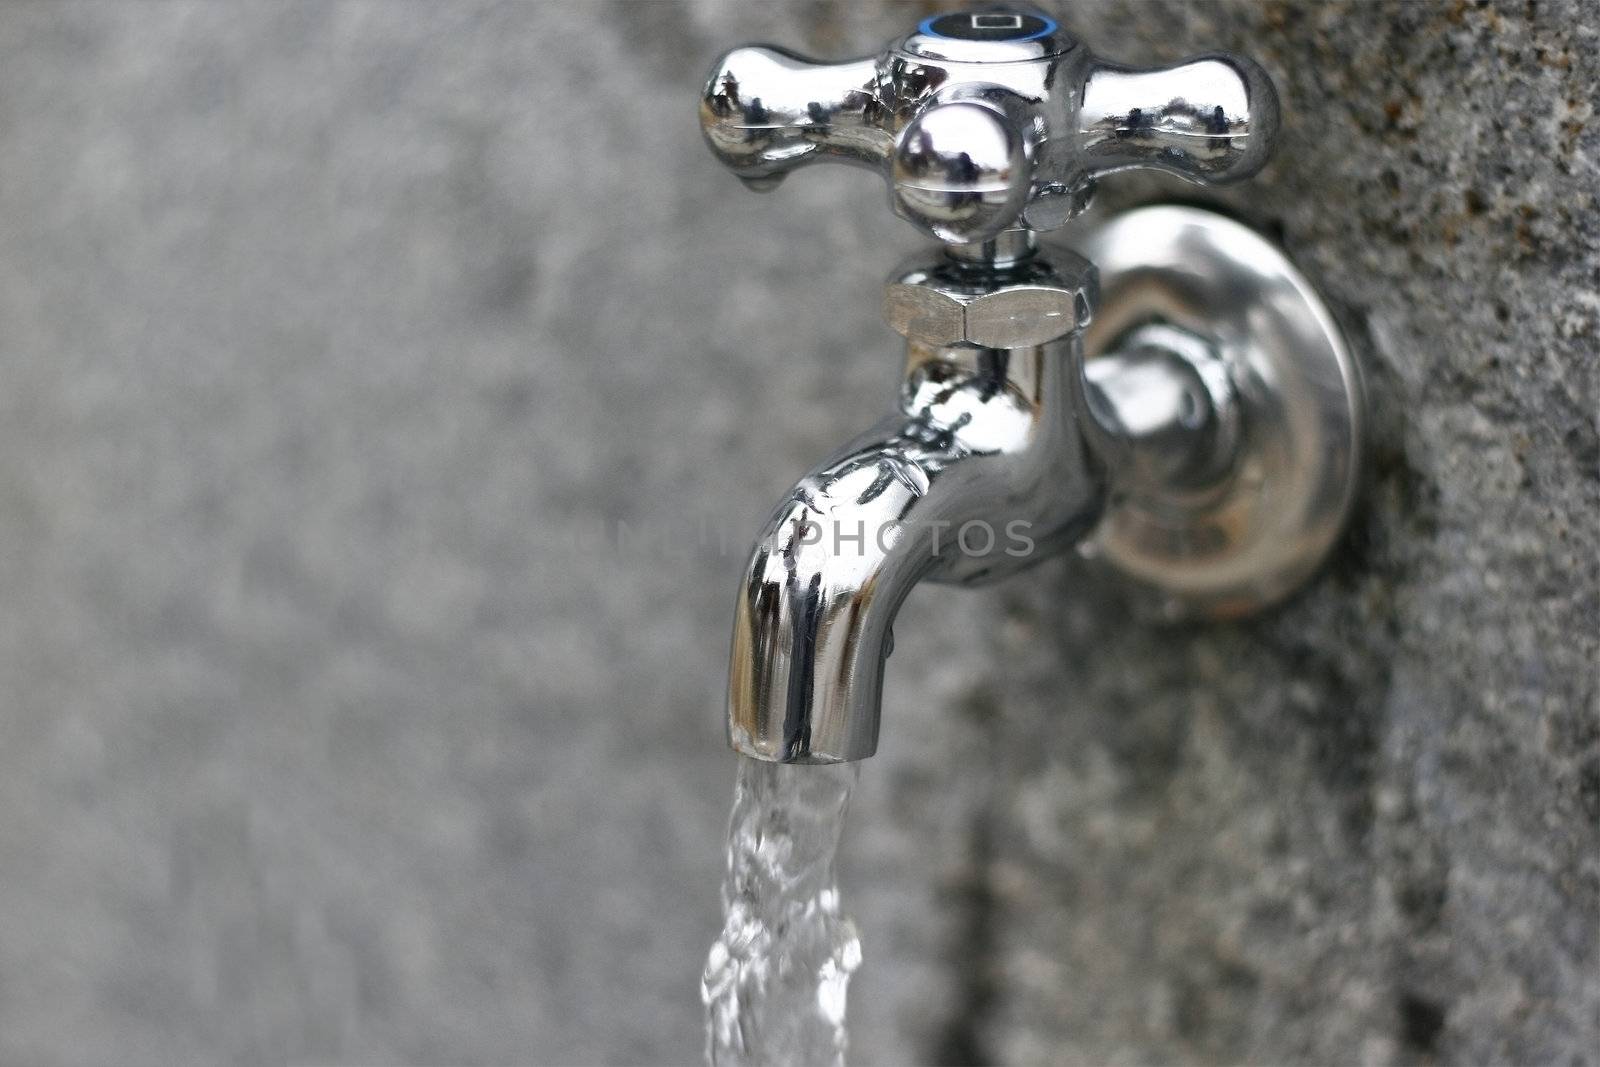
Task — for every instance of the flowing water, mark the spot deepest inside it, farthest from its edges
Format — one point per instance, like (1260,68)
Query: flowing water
(775,980)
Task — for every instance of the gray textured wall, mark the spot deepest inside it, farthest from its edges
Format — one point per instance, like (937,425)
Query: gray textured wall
(331,333)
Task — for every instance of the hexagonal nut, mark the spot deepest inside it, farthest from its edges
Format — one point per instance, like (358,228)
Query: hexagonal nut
(954,303)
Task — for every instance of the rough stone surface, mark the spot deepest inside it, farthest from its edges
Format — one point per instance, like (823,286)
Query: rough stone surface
(336,340)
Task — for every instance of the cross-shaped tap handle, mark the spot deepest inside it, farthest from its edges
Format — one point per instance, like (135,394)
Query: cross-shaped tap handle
(984,121)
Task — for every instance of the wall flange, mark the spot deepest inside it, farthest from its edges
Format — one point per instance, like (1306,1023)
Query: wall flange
(1256,530)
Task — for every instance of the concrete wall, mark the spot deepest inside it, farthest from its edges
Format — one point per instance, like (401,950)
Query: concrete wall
(336,339)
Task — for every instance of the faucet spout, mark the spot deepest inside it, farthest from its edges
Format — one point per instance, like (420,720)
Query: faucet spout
(980,472)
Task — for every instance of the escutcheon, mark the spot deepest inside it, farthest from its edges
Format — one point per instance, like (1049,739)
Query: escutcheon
(1253,530)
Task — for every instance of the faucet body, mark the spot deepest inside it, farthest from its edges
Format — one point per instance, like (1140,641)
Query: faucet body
(980,471)
(1209,444)
(996,456)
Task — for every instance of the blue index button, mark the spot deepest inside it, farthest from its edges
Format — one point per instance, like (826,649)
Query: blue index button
(987,26)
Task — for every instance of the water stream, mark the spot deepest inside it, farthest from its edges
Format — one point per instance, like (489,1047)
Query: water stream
(775,979)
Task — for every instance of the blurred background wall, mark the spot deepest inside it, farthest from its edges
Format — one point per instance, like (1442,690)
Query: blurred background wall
(336,340)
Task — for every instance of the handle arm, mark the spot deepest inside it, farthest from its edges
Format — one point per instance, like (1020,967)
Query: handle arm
(766,111)
(1210,119)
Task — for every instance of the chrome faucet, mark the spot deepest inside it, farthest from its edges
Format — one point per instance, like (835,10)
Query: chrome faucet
(1197,425)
